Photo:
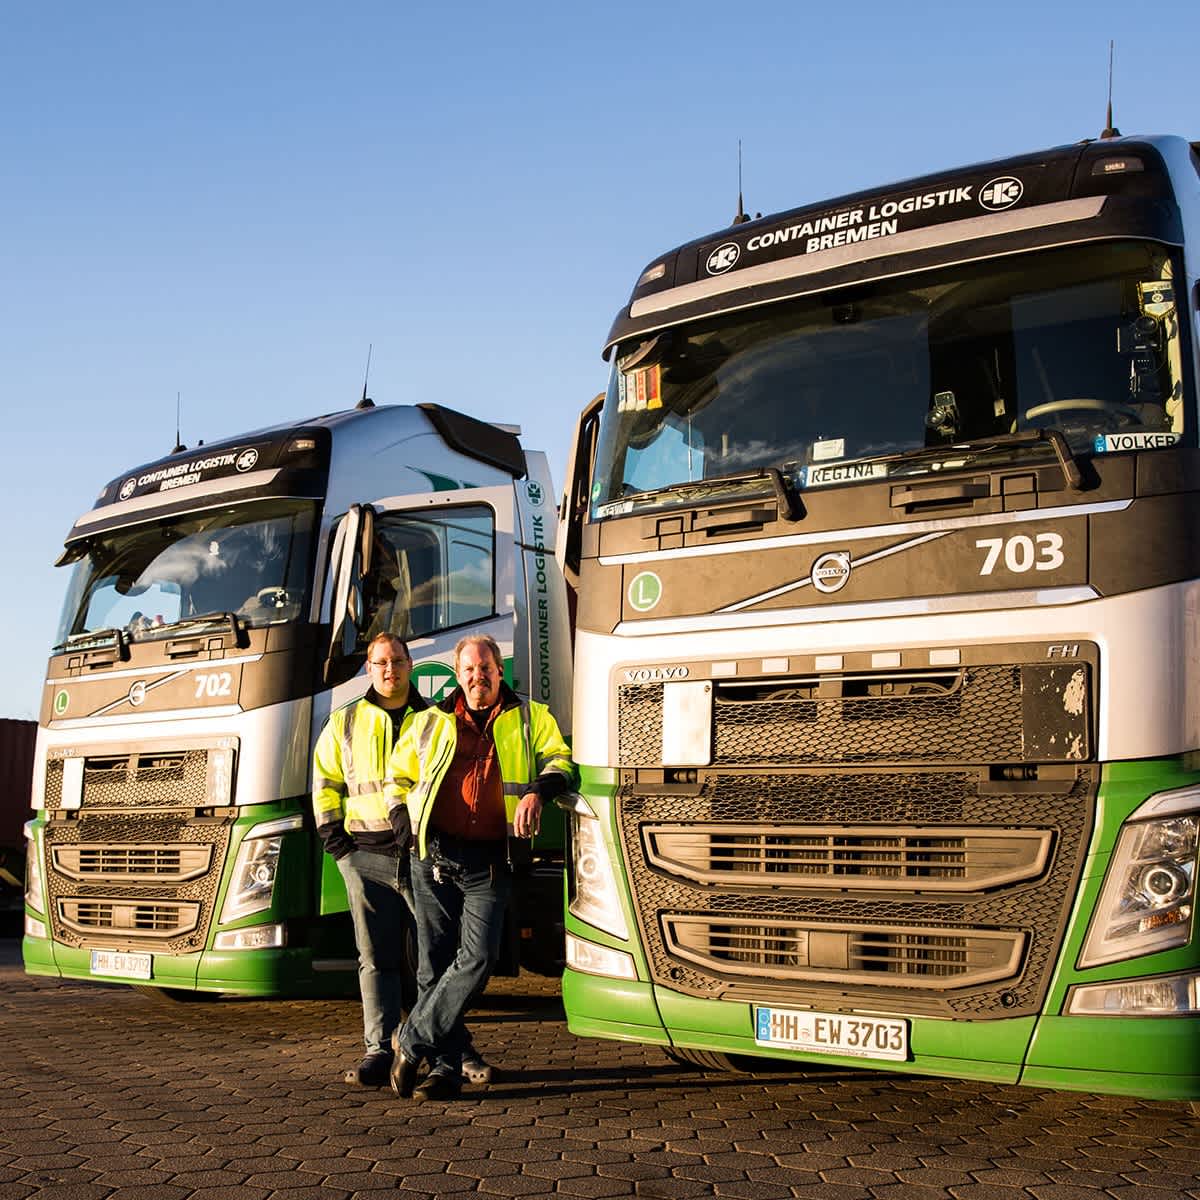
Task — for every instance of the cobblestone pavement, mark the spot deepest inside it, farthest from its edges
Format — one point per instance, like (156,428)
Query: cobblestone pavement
(108,1095)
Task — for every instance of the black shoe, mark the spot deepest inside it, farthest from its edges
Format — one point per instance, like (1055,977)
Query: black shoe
(404,1074)
(439,1085)
(371,1072)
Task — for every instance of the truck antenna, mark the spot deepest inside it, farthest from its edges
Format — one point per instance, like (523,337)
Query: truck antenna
(740,218)
(366,401)
(1110,130)
(178,440)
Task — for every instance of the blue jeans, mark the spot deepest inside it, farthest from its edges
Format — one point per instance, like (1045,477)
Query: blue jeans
(460,920)
(380,901)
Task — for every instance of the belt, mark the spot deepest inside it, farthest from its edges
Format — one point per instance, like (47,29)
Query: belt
(448,841)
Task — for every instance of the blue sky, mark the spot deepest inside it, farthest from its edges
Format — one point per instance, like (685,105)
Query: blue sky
(231,201)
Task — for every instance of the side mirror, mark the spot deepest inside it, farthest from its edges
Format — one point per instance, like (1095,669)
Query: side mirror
(577,490)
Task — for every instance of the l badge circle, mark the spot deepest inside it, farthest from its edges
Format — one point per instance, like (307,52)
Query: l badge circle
(645,591)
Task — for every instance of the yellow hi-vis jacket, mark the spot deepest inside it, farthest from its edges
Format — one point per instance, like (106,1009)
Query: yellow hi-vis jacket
(532,753)
(349,769)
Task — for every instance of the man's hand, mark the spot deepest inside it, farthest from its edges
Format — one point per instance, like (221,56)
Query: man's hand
(527,820)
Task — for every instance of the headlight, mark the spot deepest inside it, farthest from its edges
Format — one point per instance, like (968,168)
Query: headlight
(594,894)
(1146,903)
(252,884)
(35,897)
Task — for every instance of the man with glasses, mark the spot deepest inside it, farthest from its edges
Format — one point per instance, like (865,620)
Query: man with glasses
(349,768)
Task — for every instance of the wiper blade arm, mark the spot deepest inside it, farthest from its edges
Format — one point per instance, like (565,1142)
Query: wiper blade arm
(1062,451)
(212,618)
(1058,443)
(92,639)
(789,506)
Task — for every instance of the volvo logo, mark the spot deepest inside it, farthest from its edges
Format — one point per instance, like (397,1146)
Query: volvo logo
(1002,192)
(137,693)
(722,258)
(247,459)
(831,572)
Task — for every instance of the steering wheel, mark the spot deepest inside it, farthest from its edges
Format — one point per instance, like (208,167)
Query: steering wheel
(1128,415)
(273,597)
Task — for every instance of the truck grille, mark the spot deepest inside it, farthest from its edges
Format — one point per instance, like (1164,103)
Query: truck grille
(939,890)
(137,780)
(991,712)
(135,854)
(145,919)
(125,863)
(797,856)
(845,953)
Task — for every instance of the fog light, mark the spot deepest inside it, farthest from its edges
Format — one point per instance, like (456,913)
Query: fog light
(598,960)
(257,937)
(1165,996)
(34,928)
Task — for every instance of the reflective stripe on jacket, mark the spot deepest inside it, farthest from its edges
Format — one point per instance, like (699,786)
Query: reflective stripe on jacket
(532,753)
(350,766)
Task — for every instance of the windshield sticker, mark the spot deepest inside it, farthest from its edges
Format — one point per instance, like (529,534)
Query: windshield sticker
(1156,298)
(831,448)
(614,508)
(814,476)
(1109,443)
(640,389)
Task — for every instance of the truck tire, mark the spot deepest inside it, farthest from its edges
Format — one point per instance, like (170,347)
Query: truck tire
(408,972)
(164,995)
(708,1060)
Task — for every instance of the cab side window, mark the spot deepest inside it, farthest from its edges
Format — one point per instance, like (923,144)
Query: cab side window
(429,571)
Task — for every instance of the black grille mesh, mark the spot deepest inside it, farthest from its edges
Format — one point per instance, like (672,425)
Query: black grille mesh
(118,791)
(1038,908)
(984,715)
(136,781)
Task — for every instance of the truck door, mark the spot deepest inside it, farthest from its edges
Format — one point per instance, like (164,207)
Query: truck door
(435,567)
(429,568)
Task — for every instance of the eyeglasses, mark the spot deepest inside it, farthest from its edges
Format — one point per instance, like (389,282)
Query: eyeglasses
(394,663)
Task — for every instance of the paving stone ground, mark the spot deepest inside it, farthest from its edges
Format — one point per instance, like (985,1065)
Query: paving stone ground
(108,1095)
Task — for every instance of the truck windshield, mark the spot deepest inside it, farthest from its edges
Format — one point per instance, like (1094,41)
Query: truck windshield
(252,560)
(1083,340)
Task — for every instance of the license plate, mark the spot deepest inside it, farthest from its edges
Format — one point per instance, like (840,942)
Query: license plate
(831,1033)
(120,964)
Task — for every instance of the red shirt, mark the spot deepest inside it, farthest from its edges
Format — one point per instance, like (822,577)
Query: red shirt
(470,801)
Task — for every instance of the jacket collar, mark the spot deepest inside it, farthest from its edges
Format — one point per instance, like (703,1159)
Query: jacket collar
(508,699)
(415,702)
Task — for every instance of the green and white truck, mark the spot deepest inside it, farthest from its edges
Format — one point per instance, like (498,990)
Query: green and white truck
(219,606)
(887,673)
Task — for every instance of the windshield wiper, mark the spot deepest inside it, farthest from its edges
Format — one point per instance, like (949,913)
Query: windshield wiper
(1058,443)
(228,619)
(718,485)
(94,639)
